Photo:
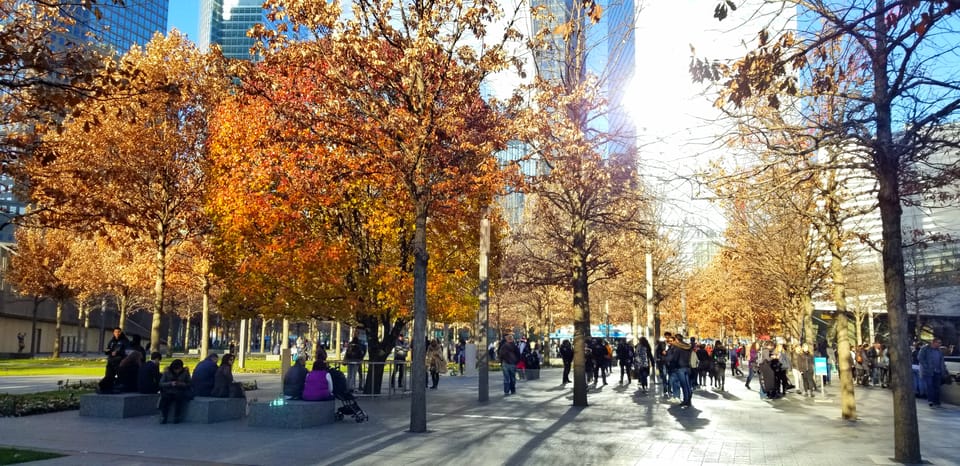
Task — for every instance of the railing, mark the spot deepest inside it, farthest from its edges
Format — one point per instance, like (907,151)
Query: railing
(375,379)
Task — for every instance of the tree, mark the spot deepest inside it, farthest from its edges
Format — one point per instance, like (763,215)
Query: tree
(133,162)
(397,88)
(587,191)
(37,270)
(896,123)
(40,80)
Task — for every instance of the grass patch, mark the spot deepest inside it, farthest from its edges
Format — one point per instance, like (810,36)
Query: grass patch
(50,366)
(95,367)
(16,455)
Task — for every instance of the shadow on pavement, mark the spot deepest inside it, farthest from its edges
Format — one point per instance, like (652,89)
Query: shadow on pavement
(688,417)
(523,455)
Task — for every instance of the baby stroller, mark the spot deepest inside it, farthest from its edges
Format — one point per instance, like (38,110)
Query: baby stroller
(348,402)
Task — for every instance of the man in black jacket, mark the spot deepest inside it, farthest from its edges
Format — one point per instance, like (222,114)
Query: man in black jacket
(148,378)
(509,355)
(679,354)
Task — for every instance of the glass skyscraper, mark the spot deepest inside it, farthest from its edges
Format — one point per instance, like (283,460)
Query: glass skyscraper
(226,22)
(119,26)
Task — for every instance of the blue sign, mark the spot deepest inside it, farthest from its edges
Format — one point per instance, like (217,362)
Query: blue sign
(819,366)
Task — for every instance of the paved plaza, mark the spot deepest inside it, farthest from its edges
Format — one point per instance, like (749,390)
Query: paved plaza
(537,426)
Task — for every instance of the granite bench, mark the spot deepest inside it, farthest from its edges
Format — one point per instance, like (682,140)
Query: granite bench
(118,405)
(207,410)
(291,414)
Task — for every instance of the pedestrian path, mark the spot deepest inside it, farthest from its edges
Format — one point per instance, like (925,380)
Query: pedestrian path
(538,425)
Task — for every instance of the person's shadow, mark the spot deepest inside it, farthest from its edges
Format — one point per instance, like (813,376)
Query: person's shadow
(688,417)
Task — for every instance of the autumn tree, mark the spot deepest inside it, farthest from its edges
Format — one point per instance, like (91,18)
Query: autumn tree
(37,270)
(396,87)
(897,123)
(40,80)
(132,163)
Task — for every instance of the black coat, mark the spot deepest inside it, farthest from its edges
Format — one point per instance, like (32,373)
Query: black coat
(148,377)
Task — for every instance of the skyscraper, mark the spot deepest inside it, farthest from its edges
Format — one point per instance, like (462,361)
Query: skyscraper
(119,26)
(226,22)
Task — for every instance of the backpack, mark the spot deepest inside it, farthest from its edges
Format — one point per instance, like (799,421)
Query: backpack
(339,381)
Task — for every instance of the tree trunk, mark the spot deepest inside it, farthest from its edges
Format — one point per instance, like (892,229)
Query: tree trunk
(122,300)
(170,332)
(81,317)
(86,332)
(158,290)
(886,158)
(418,373)
(581,316)
(848,401)
(57,329)
(205,319)
(906,430)
(33,326)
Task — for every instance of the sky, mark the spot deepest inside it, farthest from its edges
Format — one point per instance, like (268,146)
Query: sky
(183,16)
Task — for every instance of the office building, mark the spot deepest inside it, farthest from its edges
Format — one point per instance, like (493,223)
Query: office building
(226,22)
(118,27)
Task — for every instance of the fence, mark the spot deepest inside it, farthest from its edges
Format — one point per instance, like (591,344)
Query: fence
(367,378)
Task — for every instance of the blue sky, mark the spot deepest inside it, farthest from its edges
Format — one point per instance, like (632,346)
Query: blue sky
(183,16)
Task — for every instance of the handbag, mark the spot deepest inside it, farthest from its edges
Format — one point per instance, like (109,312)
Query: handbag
(946,379)
(694,360)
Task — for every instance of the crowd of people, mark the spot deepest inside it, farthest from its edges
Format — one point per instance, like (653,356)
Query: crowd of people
(128,371)
(683,365)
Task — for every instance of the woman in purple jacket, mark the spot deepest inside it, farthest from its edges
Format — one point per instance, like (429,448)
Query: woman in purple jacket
(319,385)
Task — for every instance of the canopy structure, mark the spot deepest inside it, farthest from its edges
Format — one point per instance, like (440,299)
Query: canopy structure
(600,331)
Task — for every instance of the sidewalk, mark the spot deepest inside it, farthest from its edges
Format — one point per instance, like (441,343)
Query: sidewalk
(535,426)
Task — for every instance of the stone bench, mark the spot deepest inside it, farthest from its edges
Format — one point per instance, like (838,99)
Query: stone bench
(118,405)
(291,414)
(207,410)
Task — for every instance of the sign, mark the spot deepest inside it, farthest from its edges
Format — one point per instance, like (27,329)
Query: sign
(819,366)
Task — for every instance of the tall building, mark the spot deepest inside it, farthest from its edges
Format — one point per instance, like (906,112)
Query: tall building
(119,26)
(226,22)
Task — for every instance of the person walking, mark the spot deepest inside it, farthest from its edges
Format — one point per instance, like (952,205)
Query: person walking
(625,354)
(752,362)
(680,352)
(435,363)
(20,341)
(509,356)
(566,353)
(932,370)
(642,359)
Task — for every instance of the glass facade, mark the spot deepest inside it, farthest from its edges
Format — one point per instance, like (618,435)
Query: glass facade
(119,27)
(226,22)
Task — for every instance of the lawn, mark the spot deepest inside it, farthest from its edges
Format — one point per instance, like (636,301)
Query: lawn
(16,455)
(95,367)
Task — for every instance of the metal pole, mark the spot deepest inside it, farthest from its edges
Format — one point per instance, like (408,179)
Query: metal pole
(483,393)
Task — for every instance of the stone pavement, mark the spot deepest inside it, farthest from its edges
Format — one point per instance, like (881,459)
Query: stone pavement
(536,426)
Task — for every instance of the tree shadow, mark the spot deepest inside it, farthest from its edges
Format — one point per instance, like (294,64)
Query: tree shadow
(522,456)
